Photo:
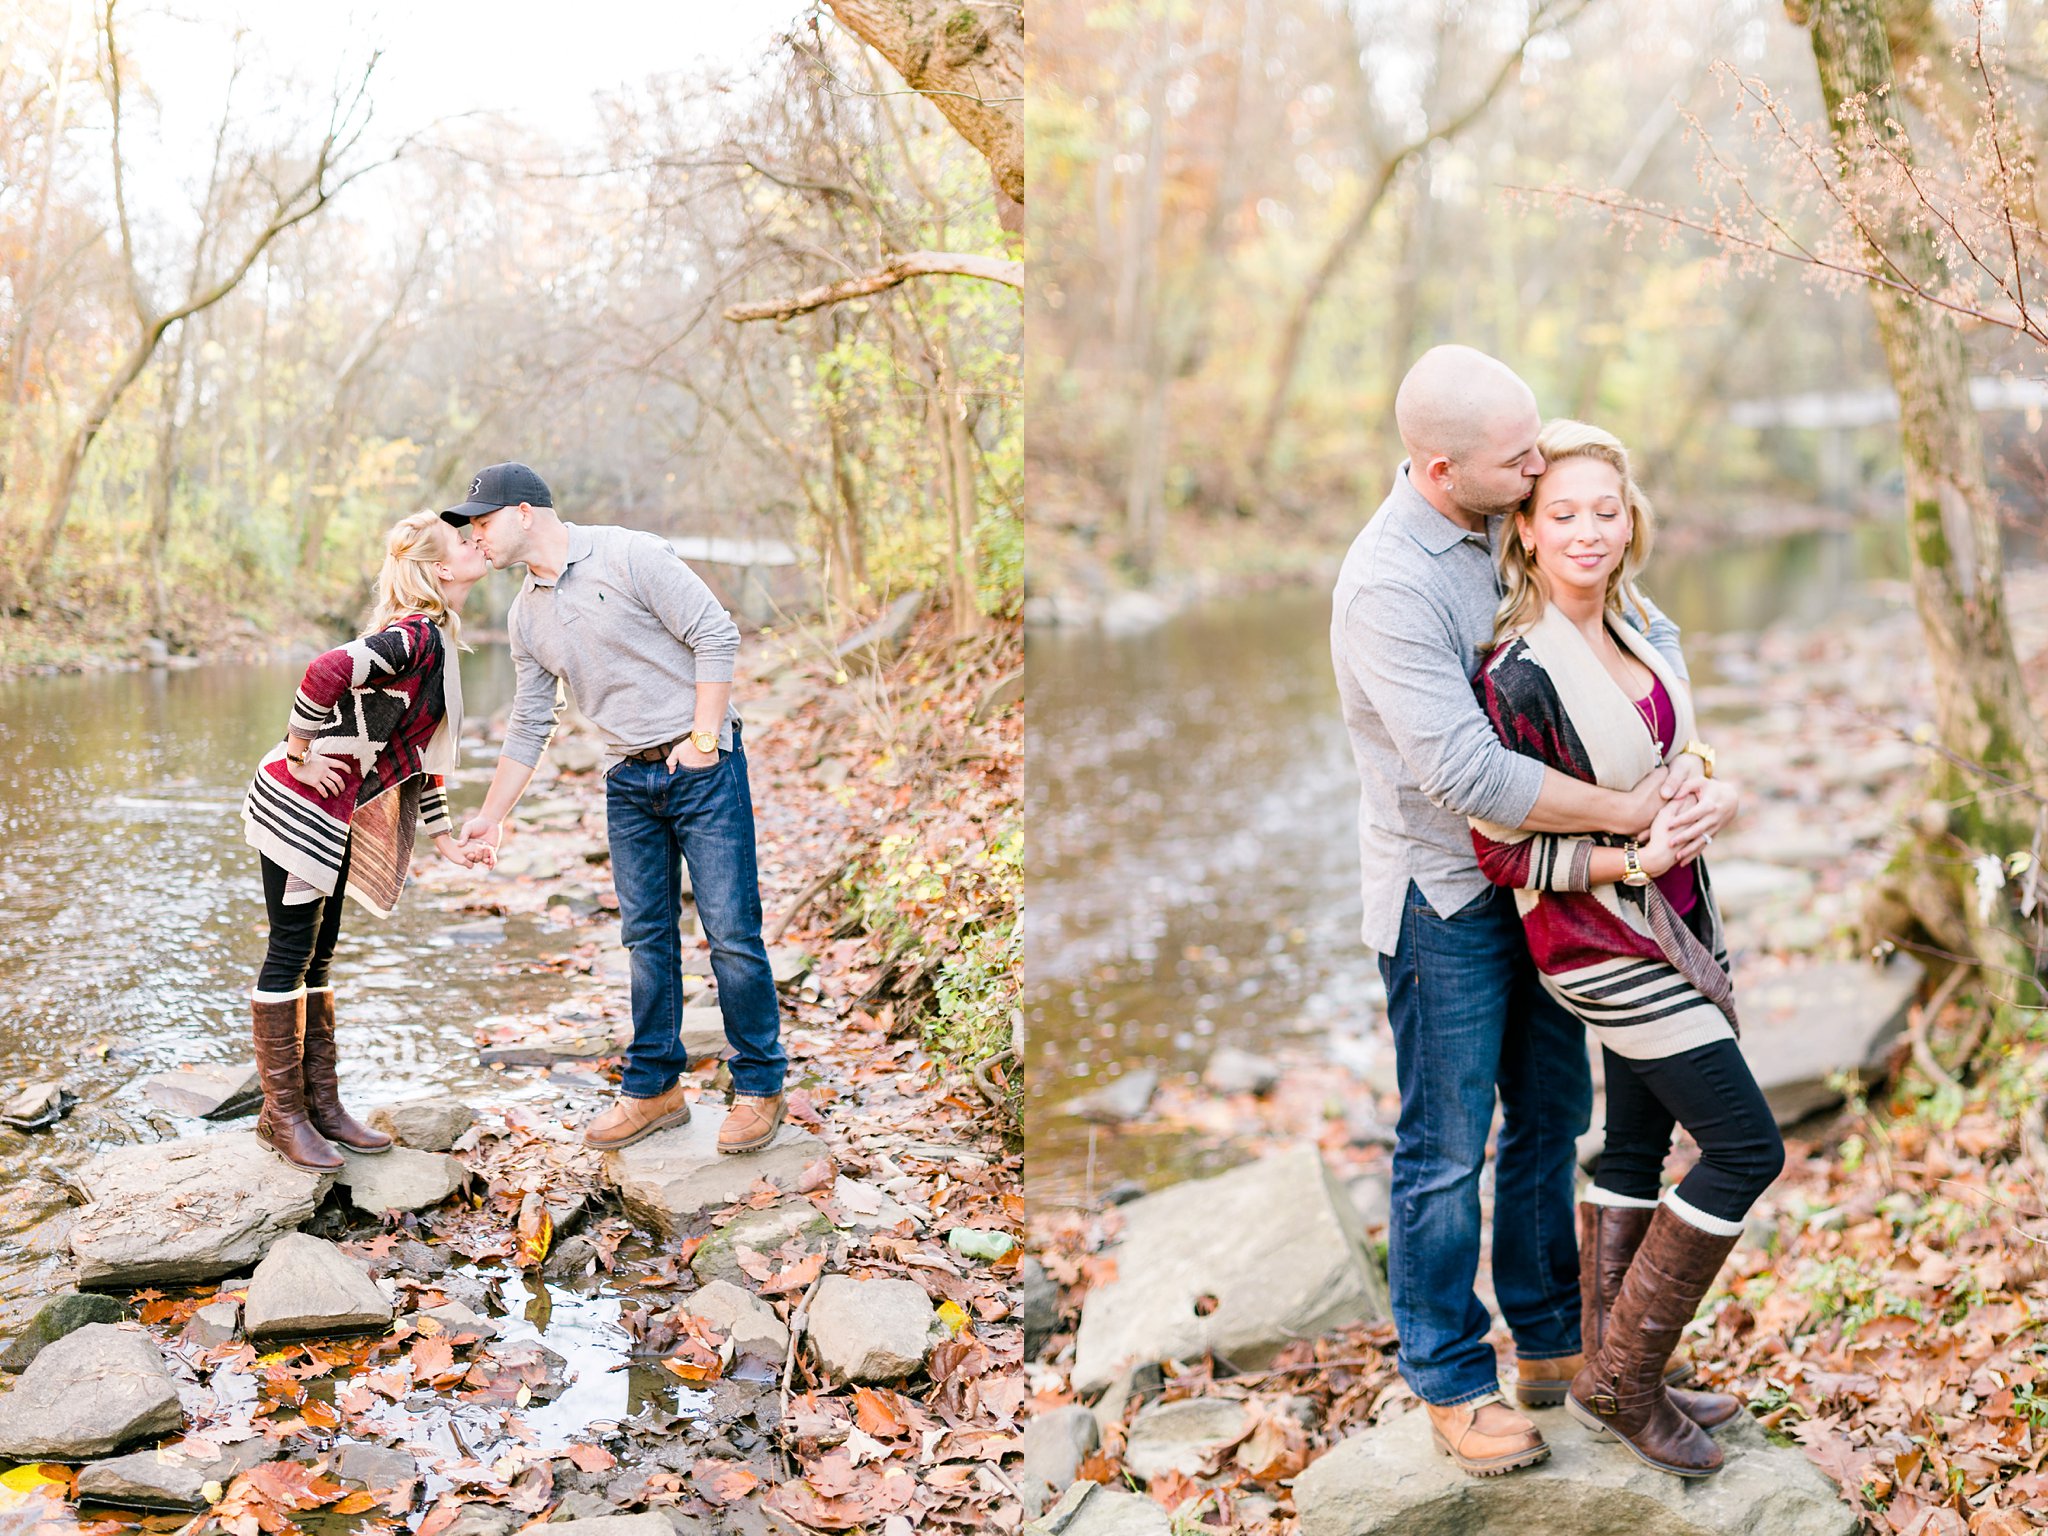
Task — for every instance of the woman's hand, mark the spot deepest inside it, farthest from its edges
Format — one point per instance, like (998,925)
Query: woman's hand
(320,774)
(467,855)
(1668,845)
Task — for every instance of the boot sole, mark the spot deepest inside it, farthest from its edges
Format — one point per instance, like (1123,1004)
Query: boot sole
(1493,1466)
(752,1146)
(1592,1421)
(1551,1394)
(323,1168)
(675,1117)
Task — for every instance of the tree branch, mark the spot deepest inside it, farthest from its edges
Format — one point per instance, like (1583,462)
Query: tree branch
(993,269)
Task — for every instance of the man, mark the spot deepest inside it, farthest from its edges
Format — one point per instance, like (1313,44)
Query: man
(647,653)
(1413,610)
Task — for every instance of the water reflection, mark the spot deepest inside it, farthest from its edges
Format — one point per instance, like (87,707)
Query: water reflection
(1193,856)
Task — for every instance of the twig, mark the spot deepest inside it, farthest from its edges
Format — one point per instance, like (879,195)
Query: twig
(798,1320)
(996,1096)
(809,894)
(1920,1020)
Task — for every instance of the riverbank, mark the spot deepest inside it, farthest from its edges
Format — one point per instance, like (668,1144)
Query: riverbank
(1900,1208)
(821,1332)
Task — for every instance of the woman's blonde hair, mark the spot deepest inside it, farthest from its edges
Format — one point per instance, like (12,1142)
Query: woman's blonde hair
(407,583)
(1522,590)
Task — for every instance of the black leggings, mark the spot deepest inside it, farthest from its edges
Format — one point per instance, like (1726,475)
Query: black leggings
(302,933)
(1712,1093)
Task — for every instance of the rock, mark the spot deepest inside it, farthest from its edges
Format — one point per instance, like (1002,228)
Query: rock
(186,1210)
(1801,1026)
(764,1232)
(548,1052)
(869,1330)
(208,1090)
(375,1467)
(1041,1306)
(703,1032)
(1055,1444)
(674,1174)
(789,963)
(1231,1070)
(456,1318)
(431,1125)
(481,1520)
(569,1259)
(53,1320)
(1372,1196)
(1182,1436)
(872,647)
(575,754)
(747,1320)
(1133,613)
(307,1285)
(870,1208)
(485,930)
(93,1391)
(1743,884)
(1125,1098)
(38,1107)
(558,1377)
(998,696)
(214,1324)
(1391,1481)
(400,1179)
(1275,1244)
(1089,1509)
(154,1479)
(614,1525)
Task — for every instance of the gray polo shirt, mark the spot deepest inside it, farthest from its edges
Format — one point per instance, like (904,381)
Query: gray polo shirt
(631,631)
(1411,616)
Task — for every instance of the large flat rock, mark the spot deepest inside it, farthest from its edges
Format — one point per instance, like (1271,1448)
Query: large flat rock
(677,1173)
(399,1179)
(210,1090)
(1801,1026)
(1391,1481)
(1276,1244)
(306,1285)
(186,1210)
(95,1390)
(431,1125)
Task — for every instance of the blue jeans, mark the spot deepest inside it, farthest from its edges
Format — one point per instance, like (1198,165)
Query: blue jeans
(1471,1021)
(659,819)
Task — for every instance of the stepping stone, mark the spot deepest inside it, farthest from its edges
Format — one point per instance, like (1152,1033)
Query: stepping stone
(431,1125)
(747,1320)
(306,1285)
(1270,1253)
(207,1090)
(95,1390)
(763,1231)
(548,1053)
(1182,1436)
(57,1317)
(870,1330)
(1390,1480)
(401,1179)
(674,1174)
(186,1210)
(1801,1026)
(37,1107)
(165,1478)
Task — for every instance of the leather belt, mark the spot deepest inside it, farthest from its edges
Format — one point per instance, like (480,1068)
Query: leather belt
(656,754)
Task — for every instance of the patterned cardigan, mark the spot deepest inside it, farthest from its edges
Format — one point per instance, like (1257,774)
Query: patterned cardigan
(1646,981)
(372,707)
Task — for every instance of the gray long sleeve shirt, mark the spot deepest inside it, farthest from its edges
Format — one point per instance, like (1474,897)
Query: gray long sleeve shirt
(1411,616)
(630,630)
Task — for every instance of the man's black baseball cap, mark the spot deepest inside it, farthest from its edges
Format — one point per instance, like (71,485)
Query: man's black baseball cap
(502,485)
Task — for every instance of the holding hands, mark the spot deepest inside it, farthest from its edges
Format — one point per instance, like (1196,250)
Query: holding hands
(467,855)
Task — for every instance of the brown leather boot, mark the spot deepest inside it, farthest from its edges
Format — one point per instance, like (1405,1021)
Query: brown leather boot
(1621,1391)
(1608,1238)
(1485,1437)
(320,1073)
(631,1119)
(280,1025)
(752,1122)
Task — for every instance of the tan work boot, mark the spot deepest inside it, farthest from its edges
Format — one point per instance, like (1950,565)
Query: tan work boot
(1486,1437)
(630,1119)
(751,1123)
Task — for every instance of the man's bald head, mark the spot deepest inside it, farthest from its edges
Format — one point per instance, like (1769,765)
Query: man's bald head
(1469,424)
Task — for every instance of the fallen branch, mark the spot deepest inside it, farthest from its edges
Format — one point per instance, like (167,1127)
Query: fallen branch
(899,269)
(809,894)
(1920,1020)
(996,1096)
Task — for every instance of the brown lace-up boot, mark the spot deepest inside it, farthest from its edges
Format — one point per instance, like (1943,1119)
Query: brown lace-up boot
(1608,1238)
(1485,1437)
(1621,1391)
(321,1076)
(280,1025)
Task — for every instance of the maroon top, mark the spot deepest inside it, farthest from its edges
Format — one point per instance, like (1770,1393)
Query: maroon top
(1677,883)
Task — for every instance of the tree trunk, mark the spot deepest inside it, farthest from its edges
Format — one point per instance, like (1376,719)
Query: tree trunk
(1993,776)
(967,58)
(162,491)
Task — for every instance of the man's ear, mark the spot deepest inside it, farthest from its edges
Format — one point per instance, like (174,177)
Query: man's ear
(1437,470)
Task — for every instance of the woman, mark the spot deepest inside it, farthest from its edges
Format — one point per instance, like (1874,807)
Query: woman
(333,808)
(1627,937)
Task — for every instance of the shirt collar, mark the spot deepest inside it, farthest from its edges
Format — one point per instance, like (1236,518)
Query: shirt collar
(1424,524)
(580,546)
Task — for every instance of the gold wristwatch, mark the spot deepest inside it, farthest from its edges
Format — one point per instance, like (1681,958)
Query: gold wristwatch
(706,741)
(1633,872)
(1703,752)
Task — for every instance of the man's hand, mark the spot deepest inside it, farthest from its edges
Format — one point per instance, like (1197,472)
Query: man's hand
(683,755)
(481,832)
(1686,770)
(467,855)
(1705,809)
(1643,803)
